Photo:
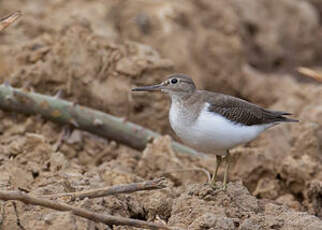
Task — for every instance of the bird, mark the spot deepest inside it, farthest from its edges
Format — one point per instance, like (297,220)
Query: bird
(212,122)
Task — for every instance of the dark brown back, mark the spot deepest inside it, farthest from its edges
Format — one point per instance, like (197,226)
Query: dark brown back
(243,112)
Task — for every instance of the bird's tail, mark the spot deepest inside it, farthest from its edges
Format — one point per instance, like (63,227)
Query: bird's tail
(280,116)
(286,119)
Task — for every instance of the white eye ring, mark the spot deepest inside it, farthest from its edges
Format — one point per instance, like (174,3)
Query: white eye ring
(174,81)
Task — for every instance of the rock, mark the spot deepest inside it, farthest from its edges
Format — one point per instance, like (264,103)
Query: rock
(313,197)
(202,207)
(158,204)
(200,199)
(290,201)
(210,221)
(59,220)
(159,159)
(279,217)
(58,161)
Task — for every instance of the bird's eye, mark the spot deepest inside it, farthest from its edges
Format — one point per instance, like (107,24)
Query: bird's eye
(174,81)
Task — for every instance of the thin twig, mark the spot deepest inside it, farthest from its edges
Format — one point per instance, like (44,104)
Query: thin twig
(17,216)
(8,20)
(60,139)
(310,73)
(204,171)
(81,117)
(106,219)
(158,183)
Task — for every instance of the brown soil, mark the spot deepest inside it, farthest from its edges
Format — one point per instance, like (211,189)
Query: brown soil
(95,51)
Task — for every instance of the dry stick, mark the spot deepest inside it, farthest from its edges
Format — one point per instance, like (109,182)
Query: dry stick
(81,117)
(8,20)
(204,171)
(106,219)
(310,73)
(158,183)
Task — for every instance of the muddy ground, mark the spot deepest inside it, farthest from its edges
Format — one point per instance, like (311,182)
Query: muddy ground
(95,51)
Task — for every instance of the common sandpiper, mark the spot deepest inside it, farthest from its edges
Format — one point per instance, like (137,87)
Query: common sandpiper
(213,122)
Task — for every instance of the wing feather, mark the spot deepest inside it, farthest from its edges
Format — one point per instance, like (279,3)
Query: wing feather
(244,112)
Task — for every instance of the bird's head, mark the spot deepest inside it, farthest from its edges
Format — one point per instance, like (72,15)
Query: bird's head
(175,85)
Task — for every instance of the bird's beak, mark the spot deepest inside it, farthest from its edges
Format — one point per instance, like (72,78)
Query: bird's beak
(149,88)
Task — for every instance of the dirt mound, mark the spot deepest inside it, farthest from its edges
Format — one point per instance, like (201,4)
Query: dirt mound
(208,209)
(183,204)
(279,34)
(95,52)
(193,43)
(213,40)
(51,63)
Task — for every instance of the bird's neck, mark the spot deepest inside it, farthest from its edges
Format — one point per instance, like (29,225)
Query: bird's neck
(181,97)
(185,105)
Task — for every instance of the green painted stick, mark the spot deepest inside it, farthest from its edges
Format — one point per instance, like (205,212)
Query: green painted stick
(94,121)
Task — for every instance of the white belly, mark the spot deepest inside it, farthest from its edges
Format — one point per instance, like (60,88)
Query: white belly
(211,132)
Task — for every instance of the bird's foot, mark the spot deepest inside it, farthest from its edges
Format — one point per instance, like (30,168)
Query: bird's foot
(218,186)
(213,185)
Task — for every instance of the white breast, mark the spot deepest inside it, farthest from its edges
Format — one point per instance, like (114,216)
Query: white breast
(212,132)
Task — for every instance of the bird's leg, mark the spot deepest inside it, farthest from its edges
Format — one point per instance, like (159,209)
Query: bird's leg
(227,161)
(214,176)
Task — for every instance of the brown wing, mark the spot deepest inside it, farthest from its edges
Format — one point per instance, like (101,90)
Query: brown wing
(244,112)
